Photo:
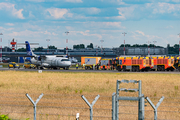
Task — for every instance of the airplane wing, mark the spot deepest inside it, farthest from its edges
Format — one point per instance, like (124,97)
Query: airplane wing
(42,57)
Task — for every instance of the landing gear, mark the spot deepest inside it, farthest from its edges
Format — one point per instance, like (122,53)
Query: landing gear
(41,68)
(66,68)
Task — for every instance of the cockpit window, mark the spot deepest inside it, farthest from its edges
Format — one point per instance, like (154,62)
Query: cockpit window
(65,60)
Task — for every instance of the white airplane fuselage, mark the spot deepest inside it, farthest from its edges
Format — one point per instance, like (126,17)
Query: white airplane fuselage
(41,61)
(52,61)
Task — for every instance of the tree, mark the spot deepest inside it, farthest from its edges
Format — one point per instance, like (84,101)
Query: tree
(126,45)
(173,49)
(90,46)
(21,50)
(52,47)
(39,49)
(136,45)
(81,46)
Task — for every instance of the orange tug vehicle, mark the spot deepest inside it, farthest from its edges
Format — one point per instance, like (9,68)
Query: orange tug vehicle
(134,64)
(163,63)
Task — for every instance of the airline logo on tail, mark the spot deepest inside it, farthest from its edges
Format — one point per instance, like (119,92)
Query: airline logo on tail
(28,48)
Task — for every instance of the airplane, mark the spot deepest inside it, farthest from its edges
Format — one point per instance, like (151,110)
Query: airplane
(47,61)
(73,60)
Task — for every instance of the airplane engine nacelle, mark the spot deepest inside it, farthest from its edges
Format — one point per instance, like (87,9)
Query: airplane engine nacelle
(39,58)
(45,65)
(28,59)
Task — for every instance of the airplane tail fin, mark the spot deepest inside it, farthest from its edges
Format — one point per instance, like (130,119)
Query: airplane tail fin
(28,49)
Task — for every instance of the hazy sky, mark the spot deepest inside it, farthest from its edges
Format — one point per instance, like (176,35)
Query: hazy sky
(89,21)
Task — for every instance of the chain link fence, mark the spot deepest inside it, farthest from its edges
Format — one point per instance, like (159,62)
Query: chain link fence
(66,106)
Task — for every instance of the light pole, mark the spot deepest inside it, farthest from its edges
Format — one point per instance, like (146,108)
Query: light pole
(47,44)
(96,50)
(101,44)
(66,45)
(179,44)
(8,44)
(154,46)
(124,42)
(148,48)
(1,49)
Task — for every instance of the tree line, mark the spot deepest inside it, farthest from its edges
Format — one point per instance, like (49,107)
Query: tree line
(171,49)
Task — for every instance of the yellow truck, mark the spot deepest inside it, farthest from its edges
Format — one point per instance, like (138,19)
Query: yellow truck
(29,65)
(13,65)
(91,62)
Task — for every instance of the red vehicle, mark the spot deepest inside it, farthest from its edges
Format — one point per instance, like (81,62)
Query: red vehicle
(163,63)
(107,64)
(134,63)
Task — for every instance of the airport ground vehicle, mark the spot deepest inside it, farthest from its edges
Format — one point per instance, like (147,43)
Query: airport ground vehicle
(177,62)
(107,64)
(162,63)
(134,63)
(90,61)
(13,65)
(29,65)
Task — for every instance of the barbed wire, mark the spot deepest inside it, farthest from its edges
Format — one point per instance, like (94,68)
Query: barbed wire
(14,102)
(158,119)
(62,102)
(59,114)
(129,113)
(37,94)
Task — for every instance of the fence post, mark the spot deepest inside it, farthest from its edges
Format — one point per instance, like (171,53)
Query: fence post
(117,101)
(113,106)
(141,103)
(77,116)
(155,107)
(34,103)
(141,108)
(90,105)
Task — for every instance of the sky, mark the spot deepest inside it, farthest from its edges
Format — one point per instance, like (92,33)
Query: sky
(101,22)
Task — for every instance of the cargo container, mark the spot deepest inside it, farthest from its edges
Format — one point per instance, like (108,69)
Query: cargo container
(90,61)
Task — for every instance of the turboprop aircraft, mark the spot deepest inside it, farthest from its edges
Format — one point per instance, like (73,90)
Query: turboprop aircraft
(47,61)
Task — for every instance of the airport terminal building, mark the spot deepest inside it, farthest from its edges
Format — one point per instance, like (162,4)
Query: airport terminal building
(104,53)
(143,51)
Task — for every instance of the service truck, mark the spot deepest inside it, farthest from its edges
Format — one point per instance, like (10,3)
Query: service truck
(107,64)
(89,62)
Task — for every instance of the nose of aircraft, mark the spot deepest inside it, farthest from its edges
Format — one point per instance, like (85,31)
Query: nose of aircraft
(68,63)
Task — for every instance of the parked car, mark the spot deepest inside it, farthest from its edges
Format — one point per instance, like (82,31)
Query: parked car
(13,65)
(29,65)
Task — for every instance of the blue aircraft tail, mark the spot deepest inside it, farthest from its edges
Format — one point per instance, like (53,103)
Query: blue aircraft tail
(29,52)
(28,49)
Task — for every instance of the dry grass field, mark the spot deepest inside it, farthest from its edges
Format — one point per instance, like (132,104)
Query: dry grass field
(67,84)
